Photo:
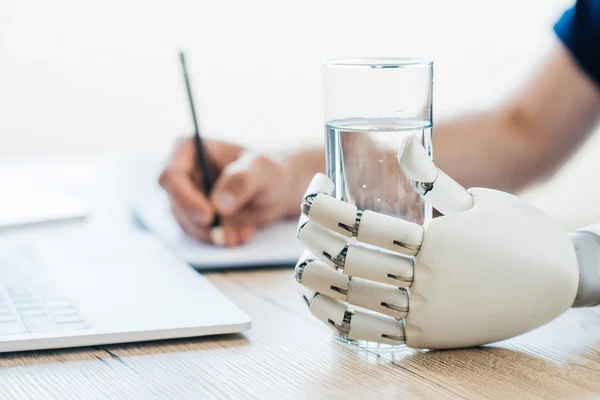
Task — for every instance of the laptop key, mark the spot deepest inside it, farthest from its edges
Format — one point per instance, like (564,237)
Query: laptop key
(58,304)
(23,300)
(11,328)
(8,318)
(39,324)
(60,312)
(27,306)
(34,312)
(66,319)
(17,291)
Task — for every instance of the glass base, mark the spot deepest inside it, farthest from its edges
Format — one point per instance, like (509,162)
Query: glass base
(364,344)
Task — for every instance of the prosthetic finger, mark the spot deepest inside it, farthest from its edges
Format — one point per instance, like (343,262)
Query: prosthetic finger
(355,260)
(367,226)
(443,192)
(390,233)
(319,277)
(327,245)
(320,207)
(319,184)
(356,325)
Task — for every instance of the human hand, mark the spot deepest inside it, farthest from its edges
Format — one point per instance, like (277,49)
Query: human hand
(250,190)
(491,268)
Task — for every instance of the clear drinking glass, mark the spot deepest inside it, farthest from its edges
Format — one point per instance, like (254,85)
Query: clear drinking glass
(371,105)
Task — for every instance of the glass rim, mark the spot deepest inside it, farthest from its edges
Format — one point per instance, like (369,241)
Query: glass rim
(378,62)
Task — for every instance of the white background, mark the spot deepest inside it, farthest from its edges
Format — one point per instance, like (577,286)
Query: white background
(101,77)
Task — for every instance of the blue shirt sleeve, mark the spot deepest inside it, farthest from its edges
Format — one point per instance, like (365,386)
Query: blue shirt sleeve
(579,30)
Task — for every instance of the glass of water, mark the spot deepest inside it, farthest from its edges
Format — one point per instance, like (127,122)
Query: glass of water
(371,105)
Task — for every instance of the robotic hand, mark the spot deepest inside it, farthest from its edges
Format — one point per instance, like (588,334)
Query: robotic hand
(493,267)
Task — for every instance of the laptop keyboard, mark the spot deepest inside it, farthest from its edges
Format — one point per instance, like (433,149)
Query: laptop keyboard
(29,300)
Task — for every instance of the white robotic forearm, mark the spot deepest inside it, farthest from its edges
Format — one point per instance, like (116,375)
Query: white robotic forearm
(492,268)
(587,247)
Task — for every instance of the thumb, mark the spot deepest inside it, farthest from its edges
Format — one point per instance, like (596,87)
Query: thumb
(239,182)
(431,183)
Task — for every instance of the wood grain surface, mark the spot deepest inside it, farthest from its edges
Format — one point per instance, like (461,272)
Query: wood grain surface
(288,354)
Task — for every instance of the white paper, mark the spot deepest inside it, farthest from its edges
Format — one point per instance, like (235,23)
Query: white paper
(272,245)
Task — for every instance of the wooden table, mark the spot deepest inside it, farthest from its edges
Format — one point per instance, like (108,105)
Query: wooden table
(289,354)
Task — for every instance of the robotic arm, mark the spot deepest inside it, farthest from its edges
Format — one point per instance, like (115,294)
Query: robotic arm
(493,267)
(587,247)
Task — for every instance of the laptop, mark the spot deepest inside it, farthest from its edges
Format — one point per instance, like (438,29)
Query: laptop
(84,287)
(23,206)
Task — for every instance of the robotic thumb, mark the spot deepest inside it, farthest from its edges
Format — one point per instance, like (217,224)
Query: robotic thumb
(443,192)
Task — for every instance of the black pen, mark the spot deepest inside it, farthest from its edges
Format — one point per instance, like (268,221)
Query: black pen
(201,157)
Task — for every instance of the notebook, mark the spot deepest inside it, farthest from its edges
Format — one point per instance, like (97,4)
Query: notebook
(274,245)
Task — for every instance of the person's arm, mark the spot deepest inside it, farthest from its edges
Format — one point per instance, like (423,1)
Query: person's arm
(526,139)
(506,149)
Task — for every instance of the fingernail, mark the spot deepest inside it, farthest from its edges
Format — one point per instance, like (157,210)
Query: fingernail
(246,234)
(200,218)
(225,201)
(217,235)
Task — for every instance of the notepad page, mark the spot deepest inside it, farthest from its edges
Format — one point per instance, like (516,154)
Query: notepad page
(275,244)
